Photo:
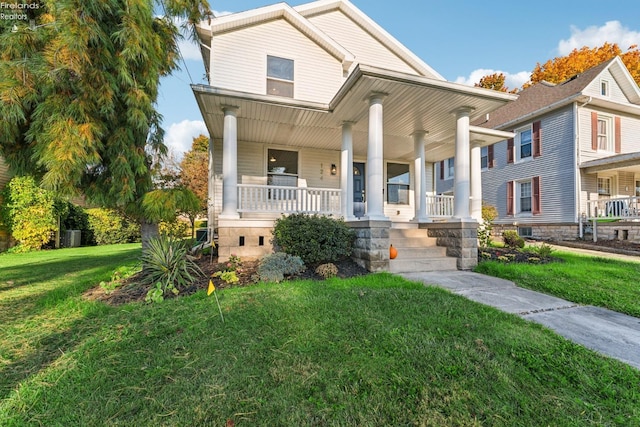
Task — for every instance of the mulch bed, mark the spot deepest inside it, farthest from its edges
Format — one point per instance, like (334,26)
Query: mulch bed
(132,291)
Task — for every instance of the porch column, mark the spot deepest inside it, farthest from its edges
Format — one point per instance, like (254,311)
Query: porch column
(461,175)
(475,204)
(375,160)
(230,164)
(346,172)
(420,172)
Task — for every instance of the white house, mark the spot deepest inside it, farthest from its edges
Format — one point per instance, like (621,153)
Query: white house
(317,109)
(575,158)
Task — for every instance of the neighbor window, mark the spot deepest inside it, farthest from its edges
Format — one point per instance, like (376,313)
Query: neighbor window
(605,140)
(484,157)
(524,140)
(279,76)
(449,168)
(398,183)
(604,186)
(525,232)
(524,196)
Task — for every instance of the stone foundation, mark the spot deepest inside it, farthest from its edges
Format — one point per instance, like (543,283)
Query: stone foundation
(371,248)
(623,230)
(247,239)
(460,239)
(626,230)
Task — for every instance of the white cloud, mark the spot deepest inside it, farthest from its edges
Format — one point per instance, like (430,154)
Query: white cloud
(512,80)
(179,136)
(612,32)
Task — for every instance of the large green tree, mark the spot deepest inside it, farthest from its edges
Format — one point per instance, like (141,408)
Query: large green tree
(78,87)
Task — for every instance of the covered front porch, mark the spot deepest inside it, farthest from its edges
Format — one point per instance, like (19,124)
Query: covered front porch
(368,156)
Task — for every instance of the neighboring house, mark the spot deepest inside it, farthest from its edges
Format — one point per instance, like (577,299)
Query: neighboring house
(317,109)
(575,158)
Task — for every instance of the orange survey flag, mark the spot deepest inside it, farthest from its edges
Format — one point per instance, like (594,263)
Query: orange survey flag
(211,288)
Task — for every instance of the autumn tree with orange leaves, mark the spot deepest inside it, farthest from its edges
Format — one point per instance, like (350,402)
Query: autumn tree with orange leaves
(495,81)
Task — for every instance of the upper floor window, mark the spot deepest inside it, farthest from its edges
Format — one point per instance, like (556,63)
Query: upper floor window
(604,88)
(279,76)
(524,141)
(398,183)
(604,134)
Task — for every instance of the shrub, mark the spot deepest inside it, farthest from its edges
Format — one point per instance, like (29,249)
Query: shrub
(327,270)
(273,267)
(167,262)
(512,240)
(30,213)
(316,239)
(110,227)
(489,213)
(544,250)
(176,228)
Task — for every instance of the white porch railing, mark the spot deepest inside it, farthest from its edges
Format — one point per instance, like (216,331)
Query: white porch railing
(440,206)
(281,199)
(614,208)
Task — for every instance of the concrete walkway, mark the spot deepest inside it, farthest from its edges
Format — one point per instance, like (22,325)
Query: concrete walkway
(605,331)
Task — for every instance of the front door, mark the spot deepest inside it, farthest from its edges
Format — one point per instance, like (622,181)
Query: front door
(358,190)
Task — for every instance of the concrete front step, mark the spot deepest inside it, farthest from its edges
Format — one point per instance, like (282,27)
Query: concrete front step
(412,265)
(413,242)
(406,233)
(405,252)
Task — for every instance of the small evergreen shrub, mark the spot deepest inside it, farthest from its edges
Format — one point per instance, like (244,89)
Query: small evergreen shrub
(274,267)
(327,271)
(168,263)
(544,250)
(110,227)
(512,240)
(316,239)
(489,214)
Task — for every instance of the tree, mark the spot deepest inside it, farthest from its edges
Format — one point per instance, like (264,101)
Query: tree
(561,68)
(78,86)
(195,169)
(495,81)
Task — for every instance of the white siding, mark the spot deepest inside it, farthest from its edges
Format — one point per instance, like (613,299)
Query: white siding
(629,132)
(556,169)
(365,48)
(615,93)
(239,61)
(316,168)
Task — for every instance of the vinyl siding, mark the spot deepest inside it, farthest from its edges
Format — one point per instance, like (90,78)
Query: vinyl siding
(629,131)
(615,93)
(239,61)
(555,167)
(365,48)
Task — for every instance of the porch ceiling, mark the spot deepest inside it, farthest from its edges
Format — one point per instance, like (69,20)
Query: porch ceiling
(627,162)
(412,103)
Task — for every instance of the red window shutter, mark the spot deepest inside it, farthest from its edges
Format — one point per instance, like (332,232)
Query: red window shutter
(537,141)
(490,156)
(618,136)
(535,196)
(510,192)
(594,131)
(510,150)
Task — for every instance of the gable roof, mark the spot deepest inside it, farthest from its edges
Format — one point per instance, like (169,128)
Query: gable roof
(546,96)
(264,14)
(345,6)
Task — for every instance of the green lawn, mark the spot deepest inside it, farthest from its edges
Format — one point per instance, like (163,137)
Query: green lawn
(371,351)
(583,279)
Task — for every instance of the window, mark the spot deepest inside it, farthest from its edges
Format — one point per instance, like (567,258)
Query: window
(604,186)
(279,76)
(282,168)
(604,133)
(398,183)
(604,88)
(637,188)
(449,168)
(525,232)
(484,157)
(524,144)
(524,197)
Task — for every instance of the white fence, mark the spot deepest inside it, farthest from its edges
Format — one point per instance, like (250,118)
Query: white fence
(282,199)
(614,208)
(440,206)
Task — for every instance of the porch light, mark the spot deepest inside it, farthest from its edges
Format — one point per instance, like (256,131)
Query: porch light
(272,159)
(334,169)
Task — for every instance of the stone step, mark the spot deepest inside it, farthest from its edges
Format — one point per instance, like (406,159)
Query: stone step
(399,233)
(420,252)
(413,242)
(421,265)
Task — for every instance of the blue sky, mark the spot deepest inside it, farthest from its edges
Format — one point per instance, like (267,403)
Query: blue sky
(462,40)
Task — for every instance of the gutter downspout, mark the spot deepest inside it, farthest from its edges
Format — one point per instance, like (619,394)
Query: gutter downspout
(578,181)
